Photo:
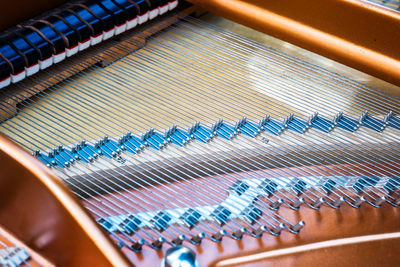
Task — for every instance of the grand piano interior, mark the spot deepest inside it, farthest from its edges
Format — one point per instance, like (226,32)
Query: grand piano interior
(200,133)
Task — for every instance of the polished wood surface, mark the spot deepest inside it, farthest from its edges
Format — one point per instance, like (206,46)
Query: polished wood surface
(371,250)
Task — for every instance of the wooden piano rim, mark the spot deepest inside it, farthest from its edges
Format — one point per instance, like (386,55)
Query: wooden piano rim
(41,211)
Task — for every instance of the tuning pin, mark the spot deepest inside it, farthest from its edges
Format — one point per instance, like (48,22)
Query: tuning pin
(198,238)
(339,202)
(178,240)
(380,201)
(318,203)
(278,229)
(296,205)
(359,201)
(276,204)
(239,233)
(219,235)
(137,246)
(157,244)
(260,231)
(297,227)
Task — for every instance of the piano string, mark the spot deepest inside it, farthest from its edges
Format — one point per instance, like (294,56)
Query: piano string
(266,129)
